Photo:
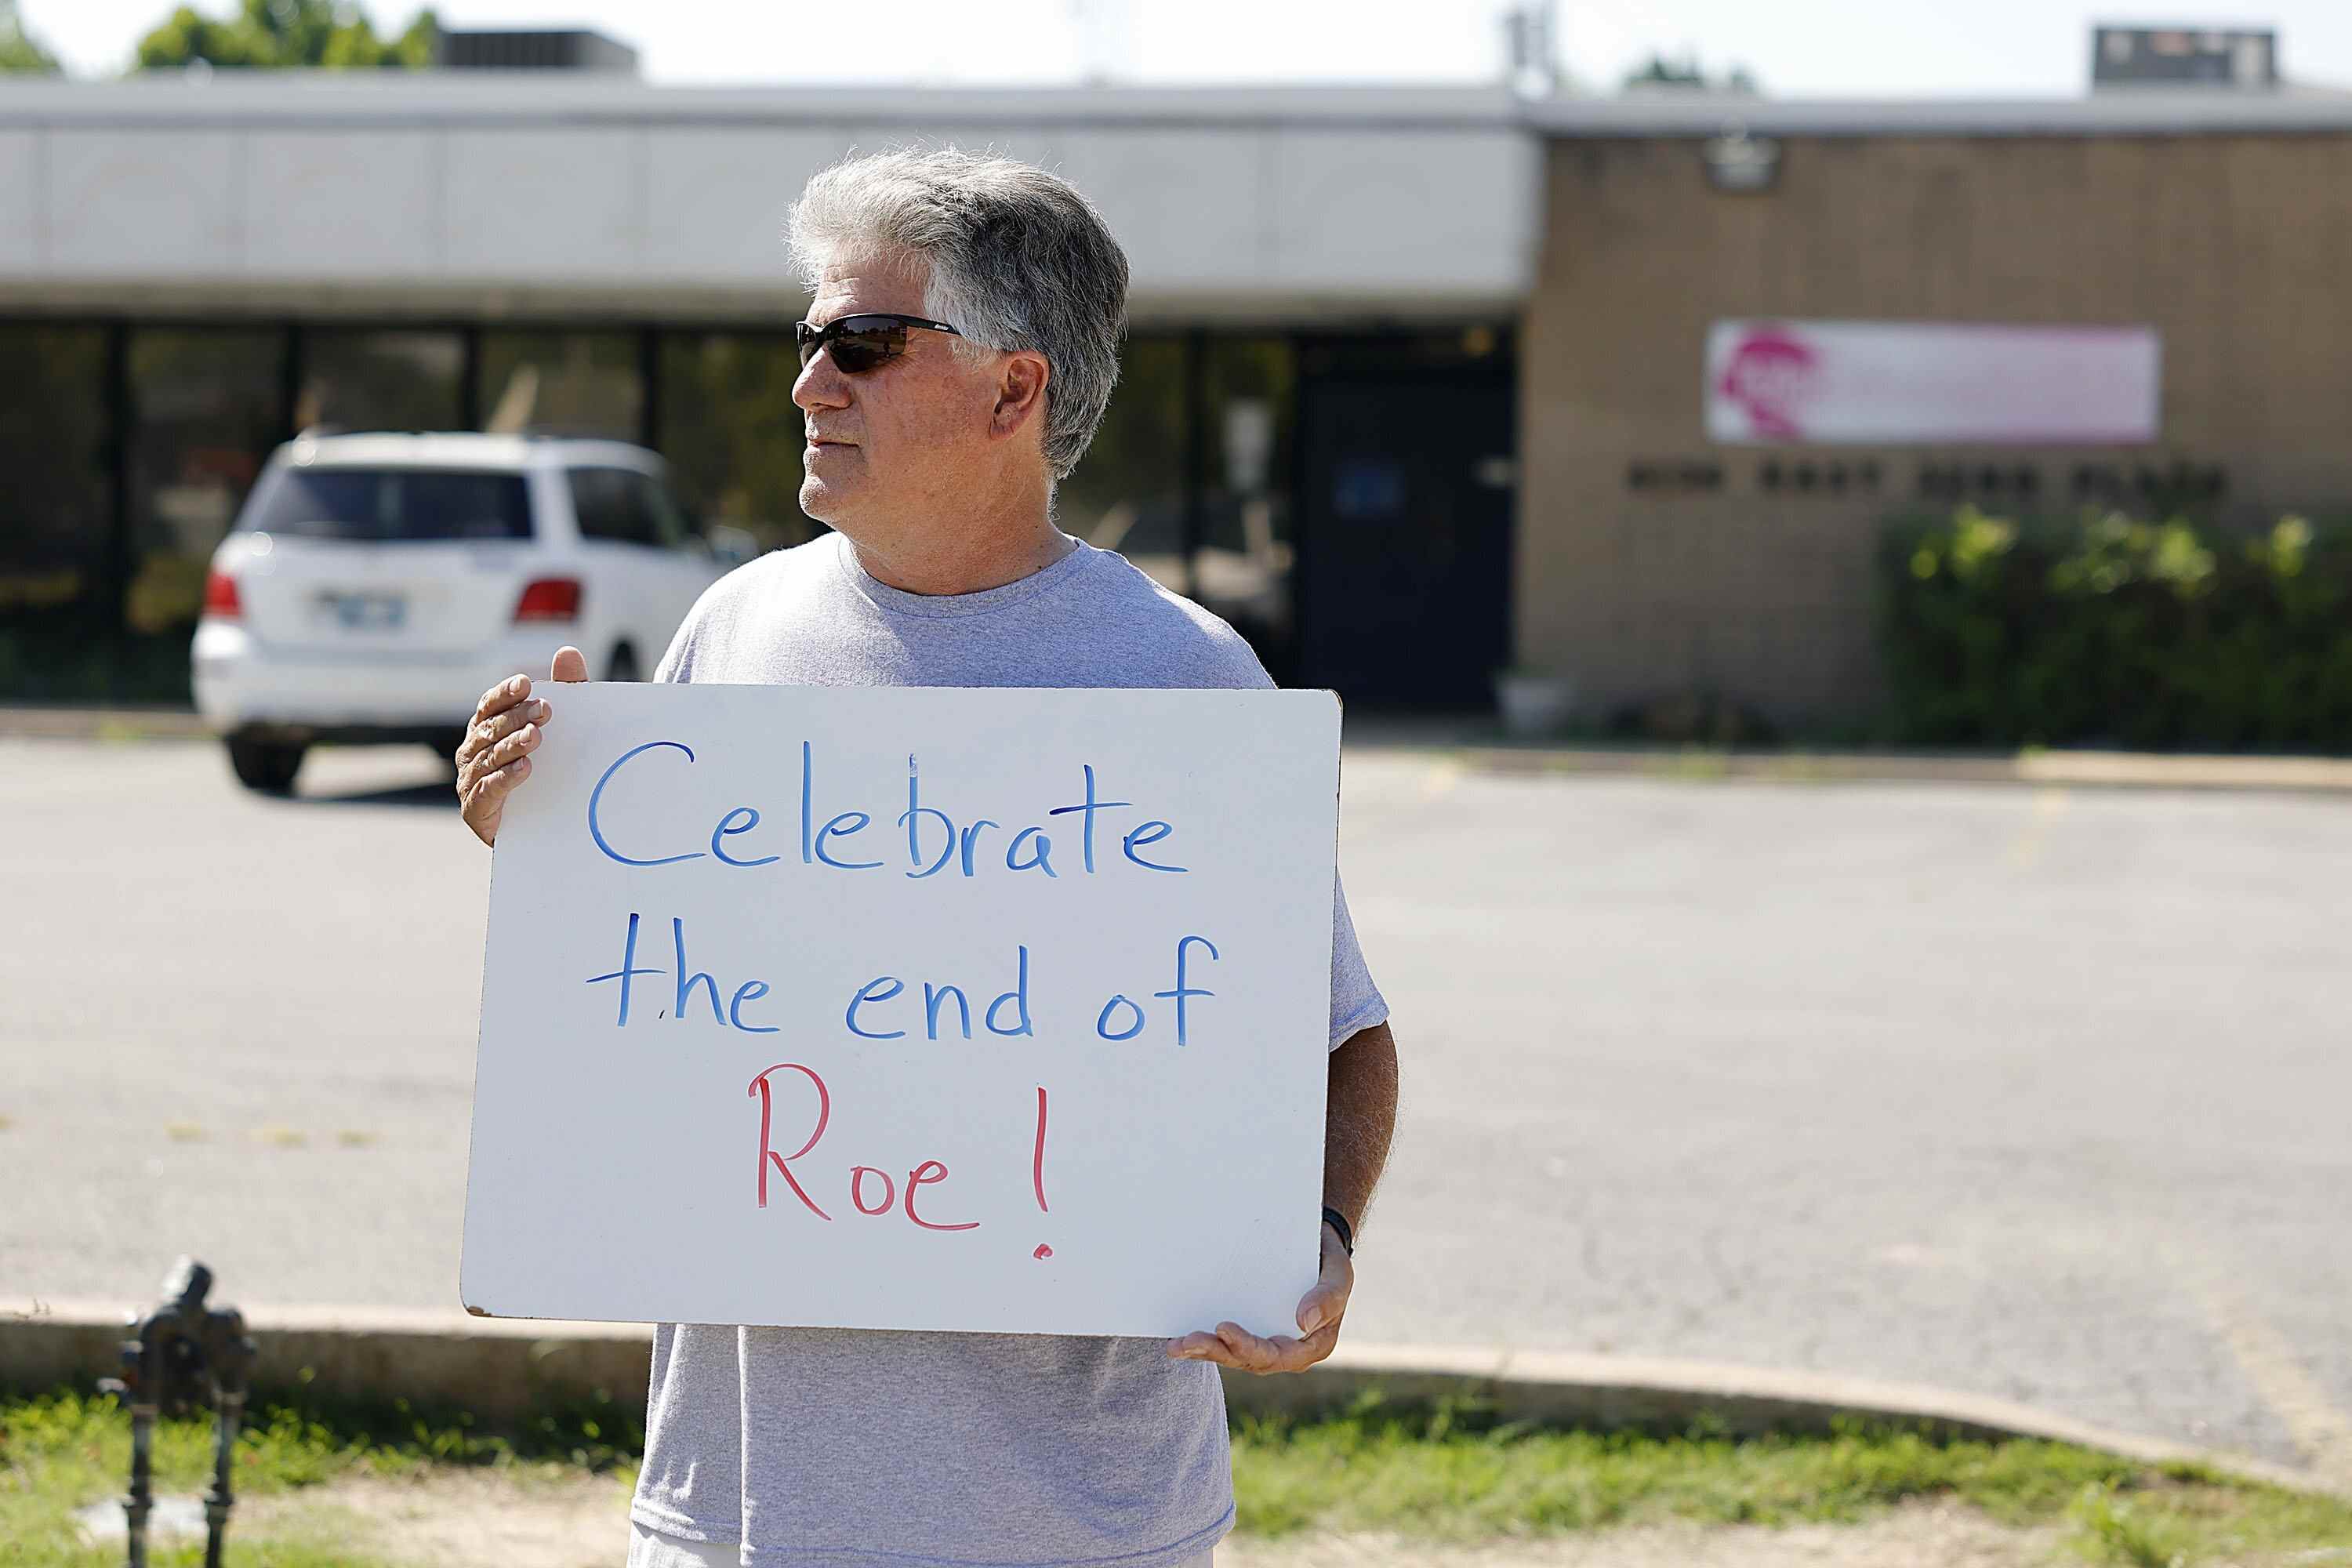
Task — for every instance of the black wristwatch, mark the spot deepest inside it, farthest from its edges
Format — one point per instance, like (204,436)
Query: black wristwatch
(1338,1222)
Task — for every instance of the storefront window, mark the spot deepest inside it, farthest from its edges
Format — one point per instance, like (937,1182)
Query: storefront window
(566,384)
(379,380)
(732,434)
(1242,570)
(1128,493)
(206,414)
(55,509)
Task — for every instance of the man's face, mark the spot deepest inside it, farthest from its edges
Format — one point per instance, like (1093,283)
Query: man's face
(899,443)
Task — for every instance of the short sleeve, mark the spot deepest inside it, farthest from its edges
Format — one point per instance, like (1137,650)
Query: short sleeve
(1356,1002)
(678,664)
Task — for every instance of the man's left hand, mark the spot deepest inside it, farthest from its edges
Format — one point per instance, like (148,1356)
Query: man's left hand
(1319,1312)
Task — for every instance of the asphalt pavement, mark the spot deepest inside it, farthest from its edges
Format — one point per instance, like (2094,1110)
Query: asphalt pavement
(2032,1092)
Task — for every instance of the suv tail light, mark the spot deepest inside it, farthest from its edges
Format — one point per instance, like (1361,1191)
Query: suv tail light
(220,596)
(548,599)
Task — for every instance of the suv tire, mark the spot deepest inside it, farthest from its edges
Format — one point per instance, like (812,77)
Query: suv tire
(623,664)
(264,766)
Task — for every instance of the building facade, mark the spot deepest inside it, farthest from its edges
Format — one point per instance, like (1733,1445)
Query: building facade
(1417,385)
(1654,563)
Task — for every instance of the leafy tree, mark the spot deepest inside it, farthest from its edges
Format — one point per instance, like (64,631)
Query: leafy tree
(19,51)
(279,34)
(1663,70)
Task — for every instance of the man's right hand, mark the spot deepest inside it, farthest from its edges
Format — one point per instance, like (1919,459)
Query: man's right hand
(495,756)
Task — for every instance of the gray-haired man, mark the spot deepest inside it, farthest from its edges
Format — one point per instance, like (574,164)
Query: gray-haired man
(956,360)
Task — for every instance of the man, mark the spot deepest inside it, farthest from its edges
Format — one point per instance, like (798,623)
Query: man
(957,357)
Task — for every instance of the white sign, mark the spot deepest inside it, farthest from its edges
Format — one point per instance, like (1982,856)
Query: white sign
(990,1010)
(1887,383)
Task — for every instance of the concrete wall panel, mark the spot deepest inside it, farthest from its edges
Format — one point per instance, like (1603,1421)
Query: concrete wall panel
(1189,205)
(1375,211)
(459,198)
(553,203)
(143,202)
(337,202)
(21,233)
(715,200)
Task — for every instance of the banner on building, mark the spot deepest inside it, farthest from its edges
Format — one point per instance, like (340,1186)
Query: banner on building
(998,1010)
(1918,382)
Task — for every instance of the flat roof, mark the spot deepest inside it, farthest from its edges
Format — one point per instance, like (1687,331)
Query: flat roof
(545,98)
(331,99)
(2112,111)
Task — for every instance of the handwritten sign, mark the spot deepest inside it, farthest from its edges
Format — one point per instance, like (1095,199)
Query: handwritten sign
(922,1008)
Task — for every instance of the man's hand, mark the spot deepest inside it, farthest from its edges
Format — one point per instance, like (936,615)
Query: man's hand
(1319,1312)
(495,756)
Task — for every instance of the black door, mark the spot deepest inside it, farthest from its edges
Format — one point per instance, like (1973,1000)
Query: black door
(1405,558)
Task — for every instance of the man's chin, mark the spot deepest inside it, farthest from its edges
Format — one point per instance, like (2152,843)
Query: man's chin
(822,502)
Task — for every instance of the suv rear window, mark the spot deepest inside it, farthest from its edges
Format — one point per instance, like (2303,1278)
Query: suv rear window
(389,505)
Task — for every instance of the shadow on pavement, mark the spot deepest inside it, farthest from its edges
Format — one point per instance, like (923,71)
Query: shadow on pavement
(439,792)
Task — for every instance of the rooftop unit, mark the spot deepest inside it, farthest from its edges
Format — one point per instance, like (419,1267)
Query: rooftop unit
(2172,56)
(570,49)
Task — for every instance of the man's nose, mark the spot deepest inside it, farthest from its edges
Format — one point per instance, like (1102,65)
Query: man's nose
(821,384)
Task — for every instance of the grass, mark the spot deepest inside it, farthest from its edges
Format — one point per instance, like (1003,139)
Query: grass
(61,1452)
(1452,1473)
(1447,1472)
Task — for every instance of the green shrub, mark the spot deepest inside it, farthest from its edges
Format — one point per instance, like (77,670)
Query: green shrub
(2114,631)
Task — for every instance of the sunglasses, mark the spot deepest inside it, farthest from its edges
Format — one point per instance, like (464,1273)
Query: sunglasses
(860,343)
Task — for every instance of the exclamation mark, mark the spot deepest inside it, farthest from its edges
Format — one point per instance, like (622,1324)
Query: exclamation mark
(1037,1168)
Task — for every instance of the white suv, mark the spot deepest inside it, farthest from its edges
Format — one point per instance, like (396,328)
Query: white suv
(375,586)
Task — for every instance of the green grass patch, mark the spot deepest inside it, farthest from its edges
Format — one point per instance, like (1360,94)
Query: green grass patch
(1453,1473)
(62,1452)
(1448,1472)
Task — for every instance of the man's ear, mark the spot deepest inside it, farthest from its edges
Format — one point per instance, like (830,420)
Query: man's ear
(1020,393)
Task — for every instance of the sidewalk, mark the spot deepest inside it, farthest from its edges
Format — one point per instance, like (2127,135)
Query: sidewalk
(1478,746)
(1475,743)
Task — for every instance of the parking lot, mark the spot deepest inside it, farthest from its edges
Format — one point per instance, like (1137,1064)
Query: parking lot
(2036,1093)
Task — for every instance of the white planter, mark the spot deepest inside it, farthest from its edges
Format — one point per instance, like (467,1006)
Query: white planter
(1534,704)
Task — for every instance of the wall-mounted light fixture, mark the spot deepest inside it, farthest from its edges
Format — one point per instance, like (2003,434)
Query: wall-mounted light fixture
(1738,162)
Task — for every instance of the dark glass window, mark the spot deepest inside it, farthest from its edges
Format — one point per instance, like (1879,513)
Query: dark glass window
(379,380)
(565,383)
(389,505)
(731,434)
(1128,493)
(625,506)
(53,509)
(1242,572)
(206,409)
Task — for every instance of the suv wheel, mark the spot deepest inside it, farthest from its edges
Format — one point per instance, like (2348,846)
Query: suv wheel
(623,664)
(264,766)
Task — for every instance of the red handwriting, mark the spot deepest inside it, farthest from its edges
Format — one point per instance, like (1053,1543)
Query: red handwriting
(857,1174)
(916,1178)
(929,1173)
(1038,1157)
(783,1162)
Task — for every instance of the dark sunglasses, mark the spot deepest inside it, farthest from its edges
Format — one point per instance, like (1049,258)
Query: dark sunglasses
(860,343)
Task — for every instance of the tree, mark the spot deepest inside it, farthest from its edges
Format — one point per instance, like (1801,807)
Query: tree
(280,35)
(1665,71)
(19,51)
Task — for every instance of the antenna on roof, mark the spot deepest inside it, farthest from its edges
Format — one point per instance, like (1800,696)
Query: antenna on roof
(1101,29)
(1530,51)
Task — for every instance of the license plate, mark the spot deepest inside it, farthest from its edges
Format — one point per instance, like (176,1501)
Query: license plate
(365,612)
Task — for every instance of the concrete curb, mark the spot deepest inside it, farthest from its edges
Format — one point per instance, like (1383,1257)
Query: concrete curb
(2089,770)
(505,1368)
(101,724)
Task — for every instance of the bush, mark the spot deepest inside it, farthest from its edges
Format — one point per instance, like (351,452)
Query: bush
(2114,631)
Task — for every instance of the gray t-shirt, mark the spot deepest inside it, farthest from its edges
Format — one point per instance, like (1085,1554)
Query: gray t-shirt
(871,1450)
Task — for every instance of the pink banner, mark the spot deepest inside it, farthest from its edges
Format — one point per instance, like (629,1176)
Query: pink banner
(1920,383)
